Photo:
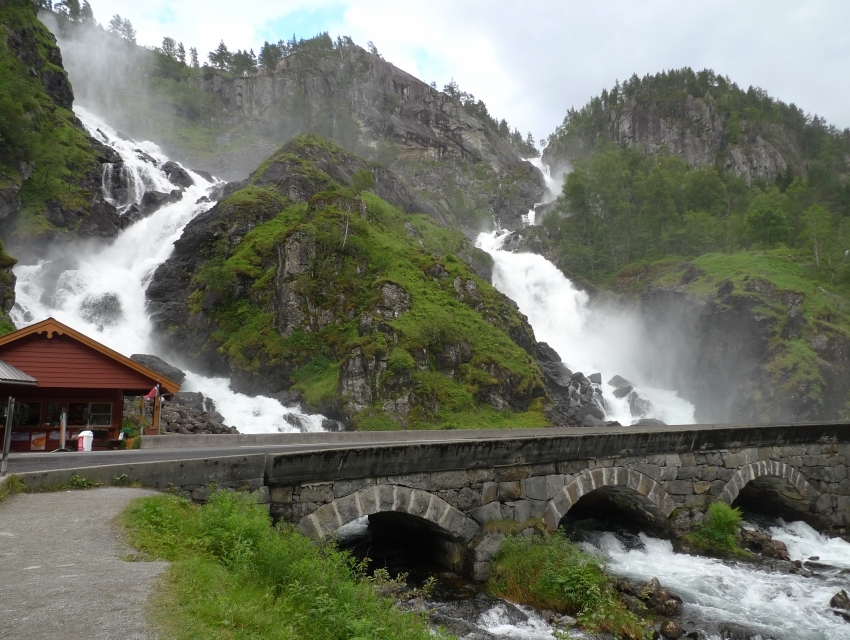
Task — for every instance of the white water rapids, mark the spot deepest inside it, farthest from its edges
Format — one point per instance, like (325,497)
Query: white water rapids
(768,603)
(98,287)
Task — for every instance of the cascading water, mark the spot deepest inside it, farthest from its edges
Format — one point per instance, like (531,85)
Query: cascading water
(99,287)
(587,340)
(742,598)
(553,188)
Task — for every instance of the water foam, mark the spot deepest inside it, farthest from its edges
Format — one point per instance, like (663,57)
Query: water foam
(587,340)
(770,603)
(98,287)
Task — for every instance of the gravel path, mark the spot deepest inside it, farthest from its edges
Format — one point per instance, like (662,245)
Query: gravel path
(61,572)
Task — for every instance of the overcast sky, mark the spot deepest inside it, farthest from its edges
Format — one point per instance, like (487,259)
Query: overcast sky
(530,61)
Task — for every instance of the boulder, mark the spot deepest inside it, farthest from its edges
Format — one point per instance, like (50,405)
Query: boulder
(622,392)
(153,200)
(648,422)
(765,545)
(177,175)
(592,421)
(160,366)
(596,378)
(619,381)
(840,601)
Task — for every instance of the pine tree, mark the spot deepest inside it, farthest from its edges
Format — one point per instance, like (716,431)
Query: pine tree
(71,8)
(116,25)
(221,58)
(86,12)
(193,54)
(181,53)
(169,48)
(270,55)
(127,31)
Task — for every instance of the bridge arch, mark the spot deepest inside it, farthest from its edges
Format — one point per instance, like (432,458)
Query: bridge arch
(389,498)
(648,493)
(767,469)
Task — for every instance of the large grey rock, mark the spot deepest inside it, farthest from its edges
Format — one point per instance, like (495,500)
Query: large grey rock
(160,366)
(177,175)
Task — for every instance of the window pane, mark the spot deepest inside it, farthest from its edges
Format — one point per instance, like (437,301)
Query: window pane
(101,414)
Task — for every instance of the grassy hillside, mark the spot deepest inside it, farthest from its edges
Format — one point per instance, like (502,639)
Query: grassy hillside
(370,312)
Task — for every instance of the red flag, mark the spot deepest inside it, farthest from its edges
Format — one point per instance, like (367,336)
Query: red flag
(153,393)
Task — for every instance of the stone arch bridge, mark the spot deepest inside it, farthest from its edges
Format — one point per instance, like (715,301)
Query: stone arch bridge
(452,492)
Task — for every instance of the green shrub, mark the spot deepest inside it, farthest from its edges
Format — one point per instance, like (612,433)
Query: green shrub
(554,573)
(235,576)
(717,533)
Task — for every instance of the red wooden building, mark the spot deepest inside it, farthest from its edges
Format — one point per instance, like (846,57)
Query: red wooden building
(49,368)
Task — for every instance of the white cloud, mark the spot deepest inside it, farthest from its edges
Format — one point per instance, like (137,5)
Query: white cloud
(531,61)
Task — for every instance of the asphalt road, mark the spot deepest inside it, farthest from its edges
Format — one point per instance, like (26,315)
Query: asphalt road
(26,462)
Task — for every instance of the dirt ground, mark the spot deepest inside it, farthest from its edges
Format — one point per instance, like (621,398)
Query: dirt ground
(63,573)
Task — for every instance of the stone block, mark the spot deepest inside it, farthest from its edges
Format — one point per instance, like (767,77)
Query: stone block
(650,470)
(700,486)
(695,501)
(448,480)
(689,473)
(317,492)
(667,460)
(714,458)
(281,494)
(546,469)
(510,491)
(348,508)
(525,509)
(449,496)
(795,450)
(679,487)
(489,492)
(488,546)
(731,460)
(487,513)
(468,499)
(724,474)
(573,466)
(346,487)
(542,487)
(823,504)
(480,571)
(477,476)
(412,480)
(200,494)
(669,473)
(511,474)
(688,459)
(261,495)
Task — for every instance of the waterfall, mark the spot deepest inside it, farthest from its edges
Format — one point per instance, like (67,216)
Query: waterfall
(587,339)
(98,287)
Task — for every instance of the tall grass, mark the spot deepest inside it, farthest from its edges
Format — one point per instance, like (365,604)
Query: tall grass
(554,573)
(235,576)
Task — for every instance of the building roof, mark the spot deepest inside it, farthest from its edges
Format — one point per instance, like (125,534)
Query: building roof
(56,354)
(13,375)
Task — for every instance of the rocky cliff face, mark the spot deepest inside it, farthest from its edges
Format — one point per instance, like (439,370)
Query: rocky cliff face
(694,126)
(699,135)
(364,102)
(50,168)
(303,285)
(227,125)
(743,349)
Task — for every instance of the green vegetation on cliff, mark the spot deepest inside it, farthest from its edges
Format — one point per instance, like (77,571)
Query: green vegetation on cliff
(44,152)
(369,311)
(234,575)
